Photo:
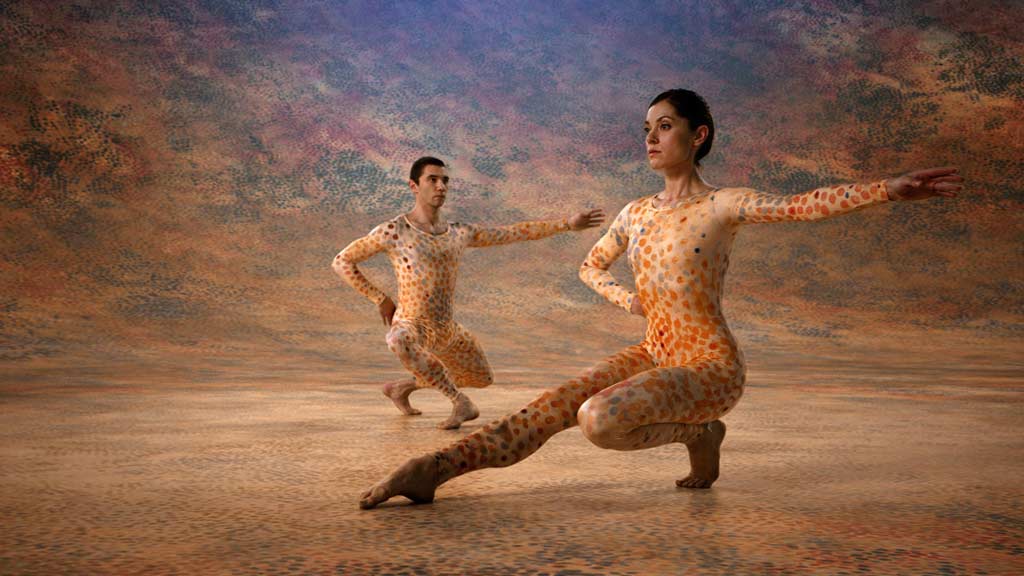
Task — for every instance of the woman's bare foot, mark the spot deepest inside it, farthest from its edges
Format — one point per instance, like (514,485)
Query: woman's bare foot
(463,410)
(399,394)
(417,480)
(704,455)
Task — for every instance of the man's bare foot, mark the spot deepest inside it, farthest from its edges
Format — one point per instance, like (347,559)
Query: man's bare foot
(399,394)
(462,410)
(417,480)
(704,455)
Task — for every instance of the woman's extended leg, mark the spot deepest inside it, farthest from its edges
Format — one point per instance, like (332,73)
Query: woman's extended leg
(511,438)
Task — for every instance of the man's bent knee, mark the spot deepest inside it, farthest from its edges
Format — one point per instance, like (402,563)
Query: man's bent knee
(400,340)
(485,379)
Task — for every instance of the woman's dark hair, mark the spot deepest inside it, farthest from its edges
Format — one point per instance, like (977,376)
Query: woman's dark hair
(420,164)
(690,105)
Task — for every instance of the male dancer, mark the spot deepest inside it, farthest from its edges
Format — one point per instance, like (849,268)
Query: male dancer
(425,250)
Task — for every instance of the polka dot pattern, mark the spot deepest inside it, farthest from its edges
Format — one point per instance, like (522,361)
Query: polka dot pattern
(688,370)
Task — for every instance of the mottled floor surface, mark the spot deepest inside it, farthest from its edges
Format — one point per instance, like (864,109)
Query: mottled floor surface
(880,476)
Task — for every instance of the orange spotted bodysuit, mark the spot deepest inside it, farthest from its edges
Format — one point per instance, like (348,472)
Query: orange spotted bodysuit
(688,371)
(424,335)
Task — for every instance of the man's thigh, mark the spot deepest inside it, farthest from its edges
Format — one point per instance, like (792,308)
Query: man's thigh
(465,360)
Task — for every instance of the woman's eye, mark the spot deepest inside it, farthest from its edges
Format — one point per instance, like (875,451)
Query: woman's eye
(646,129)
(665,126)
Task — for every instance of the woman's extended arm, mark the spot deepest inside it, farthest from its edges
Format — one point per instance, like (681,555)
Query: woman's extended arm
(751,206)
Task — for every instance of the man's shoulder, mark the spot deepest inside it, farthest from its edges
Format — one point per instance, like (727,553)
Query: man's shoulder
(388,229)
(392,224)
(461,226)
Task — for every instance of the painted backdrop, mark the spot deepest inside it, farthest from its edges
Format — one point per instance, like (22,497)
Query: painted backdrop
(175,177)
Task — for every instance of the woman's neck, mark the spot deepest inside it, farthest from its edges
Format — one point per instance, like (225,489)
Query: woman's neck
(682,183)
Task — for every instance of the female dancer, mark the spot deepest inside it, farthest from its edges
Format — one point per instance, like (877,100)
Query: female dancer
(688,372)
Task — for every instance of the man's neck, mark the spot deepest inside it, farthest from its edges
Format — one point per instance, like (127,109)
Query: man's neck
(427,218)
(425,214)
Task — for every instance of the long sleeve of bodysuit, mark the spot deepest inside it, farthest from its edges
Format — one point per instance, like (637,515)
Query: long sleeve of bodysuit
(494,236)
(345,262)
(751,206)
(594,271)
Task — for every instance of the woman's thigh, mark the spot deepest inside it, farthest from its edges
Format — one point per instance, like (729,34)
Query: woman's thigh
(694,394)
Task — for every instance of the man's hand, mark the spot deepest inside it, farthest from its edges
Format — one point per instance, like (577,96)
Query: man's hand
(585,220)
(922,184)
(636,307)
(387,310)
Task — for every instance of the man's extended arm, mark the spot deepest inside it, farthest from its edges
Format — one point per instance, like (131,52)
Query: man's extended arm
(520,231)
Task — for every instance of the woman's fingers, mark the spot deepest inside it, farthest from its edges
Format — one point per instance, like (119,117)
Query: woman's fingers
(932,172)
(595,217)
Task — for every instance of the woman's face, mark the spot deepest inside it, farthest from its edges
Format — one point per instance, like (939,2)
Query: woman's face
(670,142)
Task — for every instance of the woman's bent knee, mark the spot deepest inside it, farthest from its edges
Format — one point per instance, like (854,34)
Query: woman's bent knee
(598,424)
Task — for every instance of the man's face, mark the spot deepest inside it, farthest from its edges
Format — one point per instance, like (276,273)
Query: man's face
(432,187)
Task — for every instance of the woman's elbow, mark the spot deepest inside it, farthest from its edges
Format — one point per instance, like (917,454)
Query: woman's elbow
(584,272)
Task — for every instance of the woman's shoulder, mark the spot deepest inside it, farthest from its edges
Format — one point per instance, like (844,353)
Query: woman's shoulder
(638,204)
(727,191)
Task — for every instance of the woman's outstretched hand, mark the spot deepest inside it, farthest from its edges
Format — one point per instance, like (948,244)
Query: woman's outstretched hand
(922,184)
(585,220)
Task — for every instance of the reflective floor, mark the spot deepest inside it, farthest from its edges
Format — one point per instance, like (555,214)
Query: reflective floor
(866,475)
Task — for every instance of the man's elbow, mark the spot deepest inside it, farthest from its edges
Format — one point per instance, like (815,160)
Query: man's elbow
(340,264)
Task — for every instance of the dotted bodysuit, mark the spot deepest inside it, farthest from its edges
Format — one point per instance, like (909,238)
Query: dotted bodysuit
(688,371)
(439,351)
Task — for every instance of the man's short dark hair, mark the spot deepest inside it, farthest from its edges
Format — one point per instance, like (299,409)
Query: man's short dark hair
(417,167)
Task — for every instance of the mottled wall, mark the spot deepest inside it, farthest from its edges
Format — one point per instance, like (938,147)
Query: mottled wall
(175,177)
